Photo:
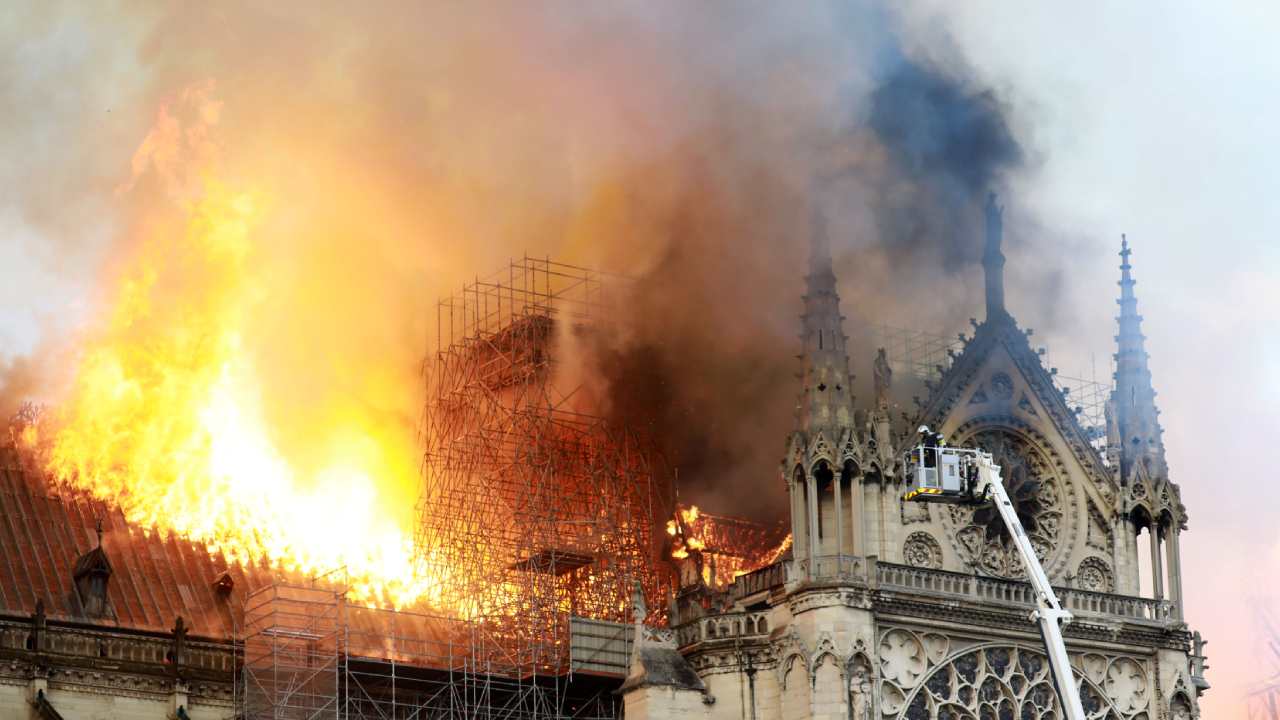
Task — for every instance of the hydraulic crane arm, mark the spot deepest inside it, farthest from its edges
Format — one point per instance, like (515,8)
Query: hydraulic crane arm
(966,476)
(1049,614)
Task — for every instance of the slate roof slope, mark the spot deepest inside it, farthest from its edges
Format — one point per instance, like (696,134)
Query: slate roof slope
(155,577)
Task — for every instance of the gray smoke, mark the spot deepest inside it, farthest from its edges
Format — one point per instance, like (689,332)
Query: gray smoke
(406,147)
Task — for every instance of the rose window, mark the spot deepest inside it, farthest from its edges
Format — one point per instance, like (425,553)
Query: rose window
(1034,488)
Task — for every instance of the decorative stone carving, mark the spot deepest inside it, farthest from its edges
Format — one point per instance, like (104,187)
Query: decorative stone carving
(1099,535)
(979,396)
(1002,386)
(819,449)
(1180,708)
(1095,575)
(882,374)
(913,512)
(902,658)
(1126,685)
(1024,404)
(921,550)
(861,683)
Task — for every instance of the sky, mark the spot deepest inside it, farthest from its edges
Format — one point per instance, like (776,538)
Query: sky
(1162,124)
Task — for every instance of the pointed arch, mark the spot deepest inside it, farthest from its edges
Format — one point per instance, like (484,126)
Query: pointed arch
(796,686)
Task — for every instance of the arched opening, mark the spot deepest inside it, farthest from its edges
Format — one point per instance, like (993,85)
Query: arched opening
(853,493)
(799,512)
(1147,546)
(825,488)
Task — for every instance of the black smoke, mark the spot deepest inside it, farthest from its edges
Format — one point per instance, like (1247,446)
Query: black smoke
(951,143)
(708,366)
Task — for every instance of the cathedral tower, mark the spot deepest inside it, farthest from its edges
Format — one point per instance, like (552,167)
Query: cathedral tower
(893,610)
(819,485)
(1133,400)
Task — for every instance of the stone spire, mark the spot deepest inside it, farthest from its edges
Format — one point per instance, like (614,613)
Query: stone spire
(993,260)
(826,399)
(1134,399)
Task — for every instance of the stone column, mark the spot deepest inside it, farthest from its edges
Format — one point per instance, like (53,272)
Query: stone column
(880,539)
(799,538)
(1157,567)
(856,497)
(839,514)
(1175,571)
(815,537)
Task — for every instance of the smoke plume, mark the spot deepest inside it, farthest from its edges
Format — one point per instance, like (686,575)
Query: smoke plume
(402,148)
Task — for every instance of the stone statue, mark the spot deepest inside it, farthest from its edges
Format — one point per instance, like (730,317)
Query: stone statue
(883,378)
(859,693)
(638,605)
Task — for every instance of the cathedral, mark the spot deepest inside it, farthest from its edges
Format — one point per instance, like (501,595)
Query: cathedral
(883,610)
(894,610)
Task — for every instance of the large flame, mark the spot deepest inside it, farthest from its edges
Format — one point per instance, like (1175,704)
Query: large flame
(166,414)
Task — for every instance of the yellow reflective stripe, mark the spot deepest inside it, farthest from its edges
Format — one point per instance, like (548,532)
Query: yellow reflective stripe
(922,491)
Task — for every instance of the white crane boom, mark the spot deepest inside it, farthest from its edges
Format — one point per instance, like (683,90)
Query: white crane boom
(954,475)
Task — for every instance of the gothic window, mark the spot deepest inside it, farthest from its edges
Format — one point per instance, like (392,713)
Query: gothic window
(1036,490)
(795,689)
(1004,683)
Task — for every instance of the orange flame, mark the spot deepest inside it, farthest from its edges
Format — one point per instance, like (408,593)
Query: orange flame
(166,416)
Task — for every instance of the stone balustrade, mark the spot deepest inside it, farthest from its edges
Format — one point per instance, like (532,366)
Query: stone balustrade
(719,627)
(1013,592)
(109,645)
(833,568)
(867,572)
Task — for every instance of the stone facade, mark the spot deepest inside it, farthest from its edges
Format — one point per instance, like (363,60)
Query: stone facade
(110,673)
(897,611)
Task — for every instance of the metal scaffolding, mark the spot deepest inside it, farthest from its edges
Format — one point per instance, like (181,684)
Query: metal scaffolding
(537,521)
(310,655)
(926,356)
(292,653)
(532,510)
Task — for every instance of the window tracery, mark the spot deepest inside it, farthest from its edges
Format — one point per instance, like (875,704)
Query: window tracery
(1039,493)
(920,681)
